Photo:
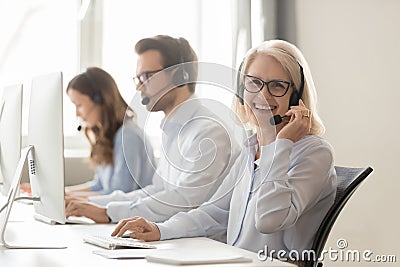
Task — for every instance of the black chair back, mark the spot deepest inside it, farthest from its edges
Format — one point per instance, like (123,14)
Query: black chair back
(348,180)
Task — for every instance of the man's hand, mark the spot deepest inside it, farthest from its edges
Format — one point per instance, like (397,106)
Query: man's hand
(69,199)
(89,210)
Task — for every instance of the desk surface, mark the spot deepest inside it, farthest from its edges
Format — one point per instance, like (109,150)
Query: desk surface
(24,230)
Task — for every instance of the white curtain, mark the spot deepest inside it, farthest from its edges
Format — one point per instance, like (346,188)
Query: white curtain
(259,20)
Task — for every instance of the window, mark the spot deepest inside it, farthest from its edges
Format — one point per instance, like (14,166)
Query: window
(38,37)
(44,36)
(205,24)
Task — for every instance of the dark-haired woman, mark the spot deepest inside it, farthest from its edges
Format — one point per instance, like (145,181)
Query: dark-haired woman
(120,152)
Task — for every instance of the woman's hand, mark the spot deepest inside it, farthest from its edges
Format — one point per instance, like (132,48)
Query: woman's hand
(140,229)
(26,187)
(299,124)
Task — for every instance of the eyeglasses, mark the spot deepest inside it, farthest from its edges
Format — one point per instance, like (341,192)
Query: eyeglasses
(276,88)
(144,76)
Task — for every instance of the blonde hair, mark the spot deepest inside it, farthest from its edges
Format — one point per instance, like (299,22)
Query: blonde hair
(290,57)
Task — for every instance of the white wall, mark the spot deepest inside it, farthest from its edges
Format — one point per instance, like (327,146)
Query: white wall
(353,48)
(77,170)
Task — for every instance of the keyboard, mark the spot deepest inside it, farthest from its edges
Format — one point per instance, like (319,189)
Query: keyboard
(110,242)
(79,220)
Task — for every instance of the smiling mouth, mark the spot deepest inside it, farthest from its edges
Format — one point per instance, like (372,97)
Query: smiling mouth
(263,107)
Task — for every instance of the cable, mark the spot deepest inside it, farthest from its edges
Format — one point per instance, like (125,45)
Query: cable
(20,198)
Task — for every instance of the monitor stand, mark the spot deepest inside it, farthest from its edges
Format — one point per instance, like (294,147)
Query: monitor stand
(10,200)
(1,108)
(1,174)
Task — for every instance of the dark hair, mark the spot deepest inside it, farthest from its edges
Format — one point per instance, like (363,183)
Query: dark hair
(102,89)
(172,52)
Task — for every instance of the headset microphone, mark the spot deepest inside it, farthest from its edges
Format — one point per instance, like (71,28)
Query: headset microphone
(145,100)
(81,124)
(277,119)
(162,91)
(81,120)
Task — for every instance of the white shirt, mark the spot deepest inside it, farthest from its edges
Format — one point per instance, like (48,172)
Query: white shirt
(280,204)
(197,153)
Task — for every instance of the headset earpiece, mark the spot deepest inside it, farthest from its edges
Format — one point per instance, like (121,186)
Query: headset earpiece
(180,76)
(239,84)
(296,95)
(97,98)
(294,98)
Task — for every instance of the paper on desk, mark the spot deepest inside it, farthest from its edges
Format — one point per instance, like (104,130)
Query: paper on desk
(190,257)
(136,253)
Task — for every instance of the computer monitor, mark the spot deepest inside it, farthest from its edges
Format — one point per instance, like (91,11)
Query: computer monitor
(10,134)
(46,196)
(46,160)
(11,197)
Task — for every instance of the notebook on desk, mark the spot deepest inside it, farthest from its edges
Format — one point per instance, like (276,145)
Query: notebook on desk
(120,254)
(110,242)
(194,257)
(69,220)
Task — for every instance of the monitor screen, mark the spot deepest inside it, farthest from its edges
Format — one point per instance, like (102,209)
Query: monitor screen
(10,134)
(45,134)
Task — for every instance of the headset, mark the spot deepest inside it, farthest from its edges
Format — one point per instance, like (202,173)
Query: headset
(180,76)
(294,97)
(96,97)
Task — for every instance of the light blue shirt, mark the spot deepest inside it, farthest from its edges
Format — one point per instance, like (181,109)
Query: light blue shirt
(279,204)
(133,166)
(198,151)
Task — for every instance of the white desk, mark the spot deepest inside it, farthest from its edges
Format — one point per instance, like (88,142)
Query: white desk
(25,230)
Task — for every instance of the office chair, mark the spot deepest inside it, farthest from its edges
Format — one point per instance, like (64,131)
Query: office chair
(348,180)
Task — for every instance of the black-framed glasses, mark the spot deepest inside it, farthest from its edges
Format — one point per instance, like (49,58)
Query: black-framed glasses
(144,76)
(277,88)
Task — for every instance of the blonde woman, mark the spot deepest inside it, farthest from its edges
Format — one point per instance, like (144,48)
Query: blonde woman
(283,184)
